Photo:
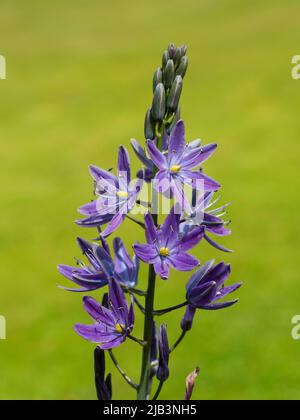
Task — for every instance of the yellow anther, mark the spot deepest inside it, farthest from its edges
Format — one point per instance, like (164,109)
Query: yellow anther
(120,328)
(175,169)
(122,194)
(164,252)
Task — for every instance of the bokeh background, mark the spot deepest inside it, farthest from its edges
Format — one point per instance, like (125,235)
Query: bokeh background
(79,78)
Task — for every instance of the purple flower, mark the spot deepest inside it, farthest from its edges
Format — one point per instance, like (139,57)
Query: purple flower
(103,385)
(117,196)
(211,219)
(167,247)
(113,324)
(206,287)
(88,277)
(175,168)
(102,267)
(162,373)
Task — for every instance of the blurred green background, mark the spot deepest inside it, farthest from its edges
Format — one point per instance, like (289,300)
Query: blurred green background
(78,84)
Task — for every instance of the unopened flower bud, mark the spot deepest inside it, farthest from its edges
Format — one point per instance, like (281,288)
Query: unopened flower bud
(165,59)
(157,78)
(177,56)
(182,68)
(174,96)
(171,50)
(183,50)
(187,320)
(149,126)
(169,73)
(159,103)
(189,384)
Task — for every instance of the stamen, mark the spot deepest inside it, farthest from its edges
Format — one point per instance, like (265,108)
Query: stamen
(120,328)
(164,252)
(175,169)
(122,194)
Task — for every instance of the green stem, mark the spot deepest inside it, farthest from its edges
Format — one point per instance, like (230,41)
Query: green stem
(178,341)
(145,382)
(156,395)
(170,309)
(144,388)
(122,372)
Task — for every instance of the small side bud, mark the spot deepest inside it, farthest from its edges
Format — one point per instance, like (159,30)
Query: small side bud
(182,68)
(159,103)
(169,73)
(174,96)
(157,78)
(176,118)
(149,126)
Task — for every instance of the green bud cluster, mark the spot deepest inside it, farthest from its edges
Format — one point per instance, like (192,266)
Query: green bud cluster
(167,87)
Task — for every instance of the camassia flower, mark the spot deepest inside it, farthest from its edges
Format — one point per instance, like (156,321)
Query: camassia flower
(117,196)
(175,169)
(113,324)
(167,247)
(202,214)
(206,287)
(102,267)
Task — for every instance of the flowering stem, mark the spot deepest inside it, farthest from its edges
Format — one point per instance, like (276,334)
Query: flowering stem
(139,305)
(133,291)
(141,224)
(122,372)
(170,309)
(143,389)
(140,342)
(156,395)
(178,341)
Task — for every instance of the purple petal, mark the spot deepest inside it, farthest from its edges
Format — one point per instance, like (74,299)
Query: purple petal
(146,252)
(205,153)
(161,267)
(150,228)
(218,306)
(206,183)
(176,142)
(95,334)
(124,165)
(118,301)
(97,312)
(216,245)
(199,274)
(88,209)
(227,291)
(158,158)
(183,261)
(98,174)
(141,154)
(114,224)
(123,263)
(190,240)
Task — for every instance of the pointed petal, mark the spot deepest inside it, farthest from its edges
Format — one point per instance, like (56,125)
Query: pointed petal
(177,142)
(183,261)
(157,157)
(146,252)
